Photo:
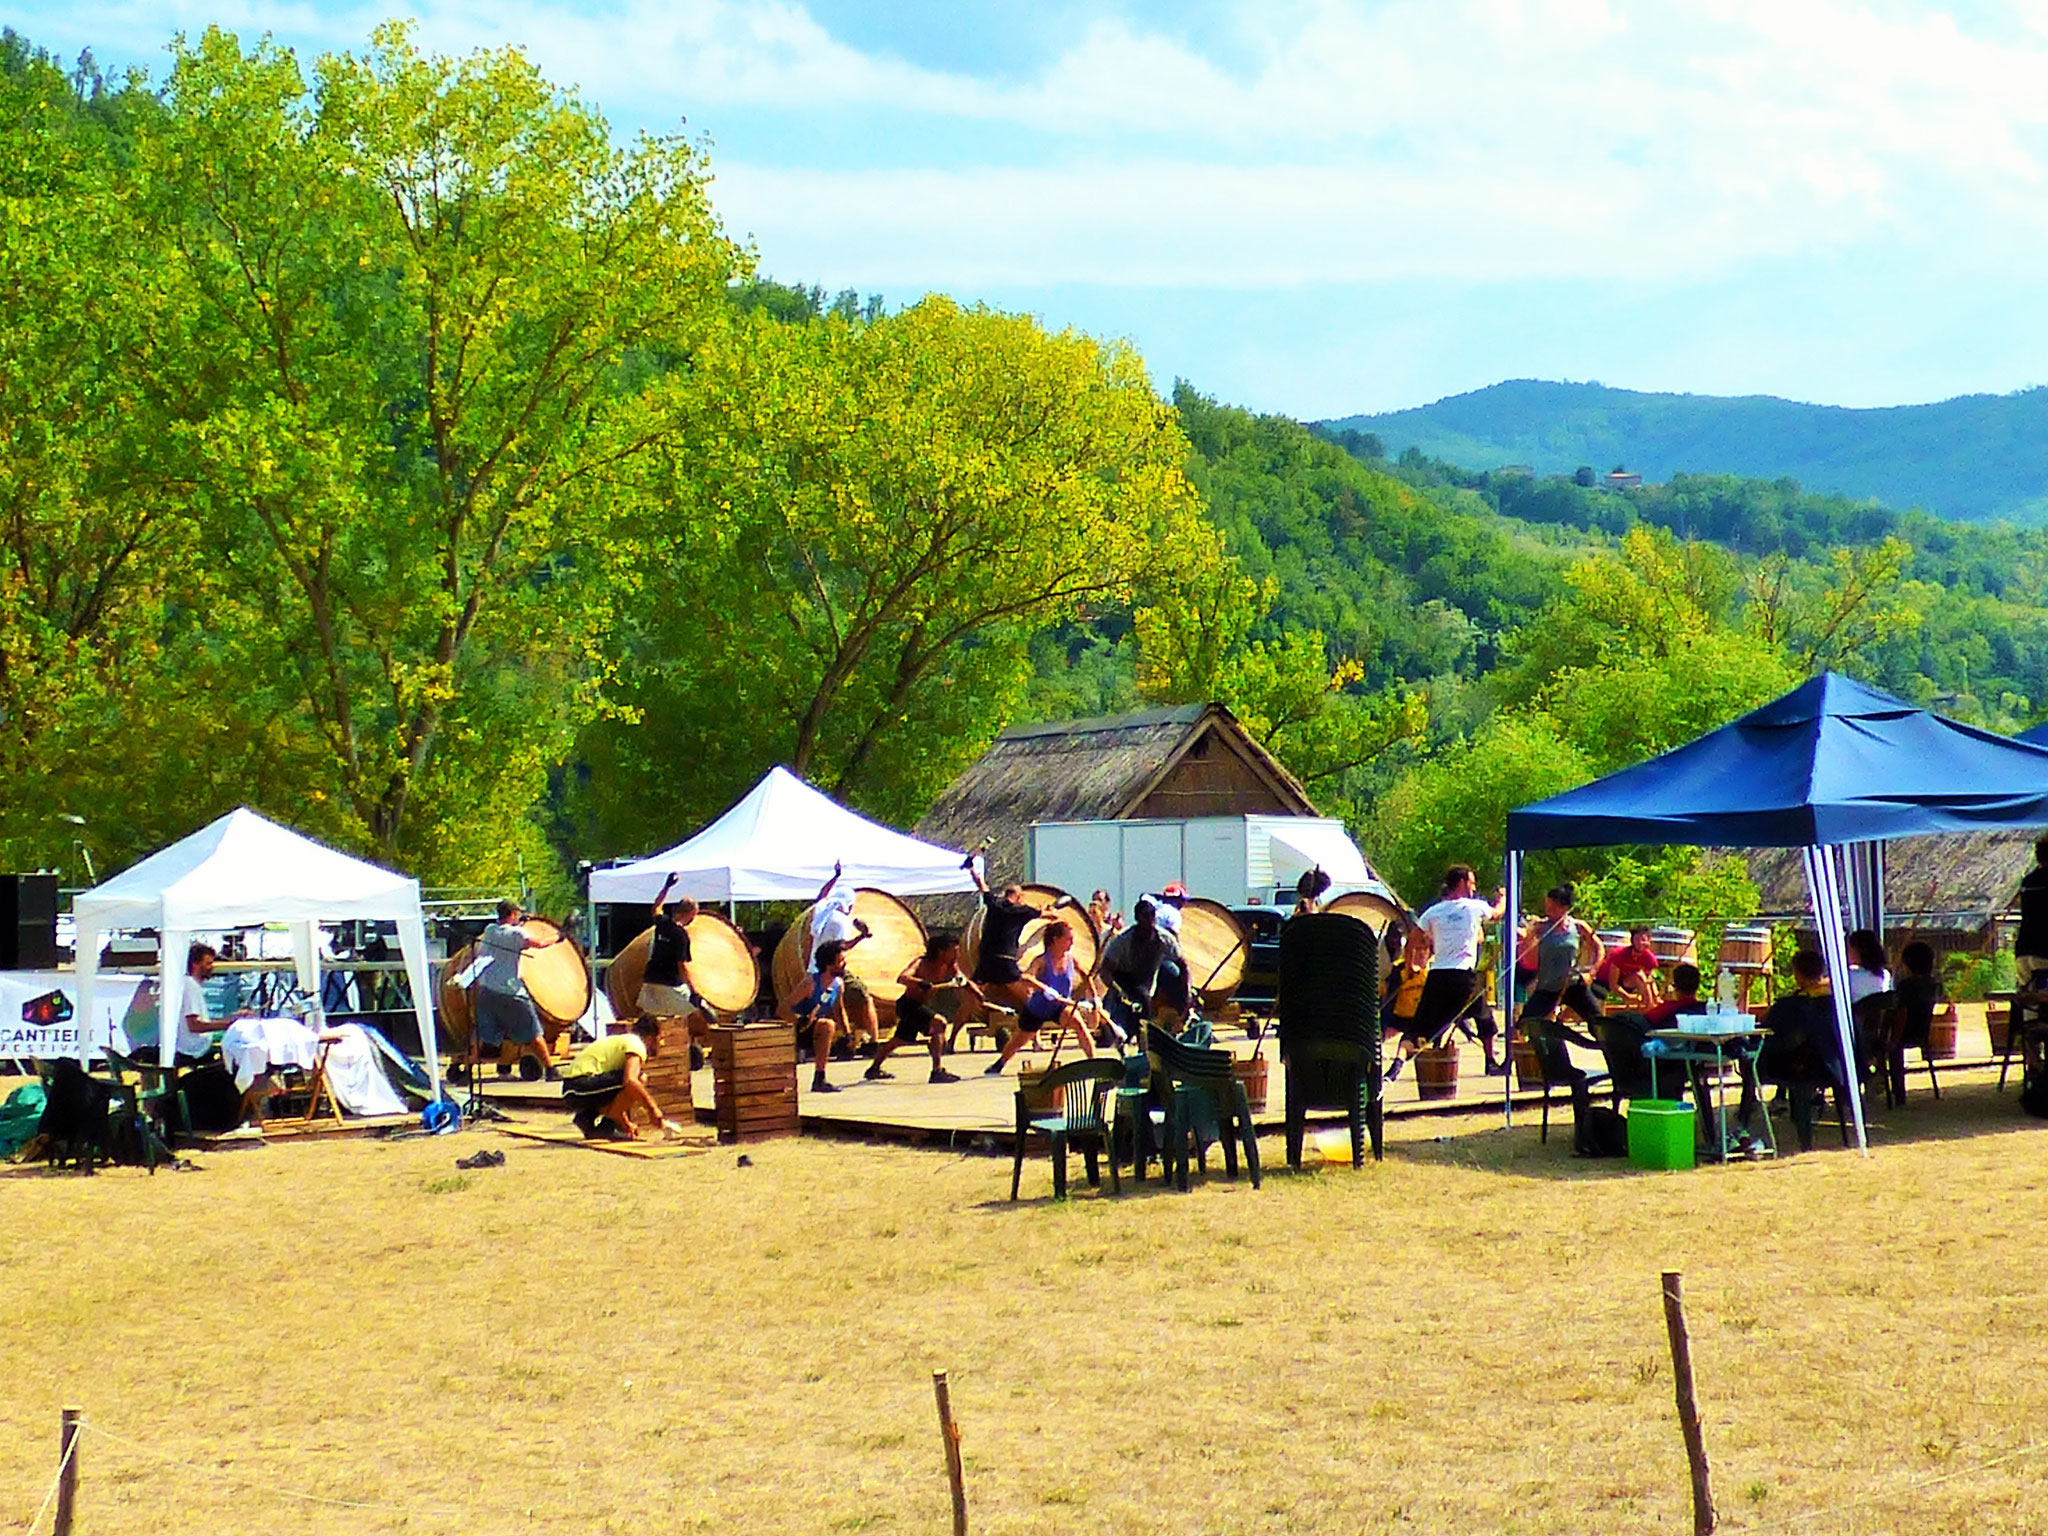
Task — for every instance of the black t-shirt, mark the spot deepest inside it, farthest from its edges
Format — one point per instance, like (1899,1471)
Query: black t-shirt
(2032,938)
(669,952)
(1002,927)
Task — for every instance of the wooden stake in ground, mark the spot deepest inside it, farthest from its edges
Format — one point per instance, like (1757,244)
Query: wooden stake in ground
(950,1433)
(67,1472)
(1688,1406)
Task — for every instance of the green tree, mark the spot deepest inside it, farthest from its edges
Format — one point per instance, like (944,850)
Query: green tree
(872,519)
(415,303)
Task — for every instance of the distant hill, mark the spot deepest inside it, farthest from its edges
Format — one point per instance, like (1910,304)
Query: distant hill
(1978,457)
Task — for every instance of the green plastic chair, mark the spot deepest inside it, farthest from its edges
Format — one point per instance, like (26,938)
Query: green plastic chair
(1066,1107)
(1202,1094)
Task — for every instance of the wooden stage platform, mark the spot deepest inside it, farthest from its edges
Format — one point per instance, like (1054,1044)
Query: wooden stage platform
(979,1107)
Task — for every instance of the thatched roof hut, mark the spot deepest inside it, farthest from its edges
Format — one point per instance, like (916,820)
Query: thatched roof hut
(1954,885)
(1189,760)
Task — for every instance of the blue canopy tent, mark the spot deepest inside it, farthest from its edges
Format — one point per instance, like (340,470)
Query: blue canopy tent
(2038,736)
(1833,768)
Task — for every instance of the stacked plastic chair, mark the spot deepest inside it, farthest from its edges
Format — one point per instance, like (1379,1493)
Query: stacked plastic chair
(1329,1012)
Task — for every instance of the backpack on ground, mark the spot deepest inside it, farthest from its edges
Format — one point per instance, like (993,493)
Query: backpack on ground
(1600,1132)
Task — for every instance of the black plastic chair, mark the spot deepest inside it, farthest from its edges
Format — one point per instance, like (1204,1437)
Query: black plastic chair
(1192,1079)
(1065,1106)
(1329,1021)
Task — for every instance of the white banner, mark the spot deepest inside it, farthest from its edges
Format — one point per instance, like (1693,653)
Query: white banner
(39,1018)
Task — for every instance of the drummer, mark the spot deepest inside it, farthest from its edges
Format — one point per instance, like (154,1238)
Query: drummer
(819,1008)
(998,970)
(1309,891)
(1629,971)
(833,922)
(505,1015)
(667,990)
(938,966)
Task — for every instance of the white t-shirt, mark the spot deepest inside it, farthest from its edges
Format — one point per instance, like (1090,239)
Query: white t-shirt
(832,921)
(192,1004)
(1165,913)
(1455,926)
(1864,983)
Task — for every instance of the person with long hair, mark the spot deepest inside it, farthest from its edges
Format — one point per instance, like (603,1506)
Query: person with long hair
(1309,891)
(1563,946)
(1061,994)
(1869,970)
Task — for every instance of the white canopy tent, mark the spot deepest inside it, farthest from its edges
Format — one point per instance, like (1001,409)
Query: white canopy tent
(779,844)
(242,870)
(1300,844)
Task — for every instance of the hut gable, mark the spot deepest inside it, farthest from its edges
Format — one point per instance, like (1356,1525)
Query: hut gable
(1190,760)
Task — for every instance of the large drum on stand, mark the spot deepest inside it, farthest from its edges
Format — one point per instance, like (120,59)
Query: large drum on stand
(1214,945)
(1087,942)
(1382,916)
(722,967)
(895,938)
(557,977)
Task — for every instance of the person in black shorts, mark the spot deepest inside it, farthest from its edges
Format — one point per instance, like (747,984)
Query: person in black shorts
(939,966)
(665,989)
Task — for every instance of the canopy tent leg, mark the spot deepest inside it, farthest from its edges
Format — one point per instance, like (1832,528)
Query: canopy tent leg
(412,944)
(172,943)
(86,961)
(1510,942)
(1823,878)
(1864,887)
(306,965)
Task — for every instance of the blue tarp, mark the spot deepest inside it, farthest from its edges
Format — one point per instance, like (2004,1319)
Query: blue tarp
(1830,762)
(2038,736)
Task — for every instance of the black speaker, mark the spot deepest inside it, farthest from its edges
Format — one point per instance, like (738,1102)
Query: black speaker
(28,922)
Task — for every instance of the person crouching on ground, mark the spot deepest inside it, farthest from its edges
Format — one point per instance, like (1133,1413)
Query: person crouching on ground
(938,966)
(819,1009)
(604,1083)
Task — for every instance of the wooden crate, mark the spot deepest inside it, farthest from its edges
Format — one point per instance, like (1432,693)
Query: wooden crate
(667,1076)
(753,1077)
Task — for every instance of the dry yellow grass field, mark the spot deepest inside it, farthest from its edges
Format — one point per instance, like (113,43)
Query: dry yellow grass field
(1467,1338)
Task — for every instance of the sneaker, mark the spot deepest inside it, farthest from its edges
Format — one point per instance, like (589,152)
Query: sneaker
(820,1085)
(1496,1069)
(586,1122)
(993,1069)
(608,1130)
(941,1075)
(875,1074)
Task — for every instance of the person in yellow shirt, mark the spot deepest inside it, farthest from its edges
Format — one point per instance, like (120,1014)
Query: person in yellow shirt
(606,1082)
(1404,992)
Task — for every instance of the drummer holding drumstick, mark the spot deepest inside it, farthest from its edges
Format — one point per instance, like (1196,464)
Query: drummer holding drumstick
(666,989)
(505,1015)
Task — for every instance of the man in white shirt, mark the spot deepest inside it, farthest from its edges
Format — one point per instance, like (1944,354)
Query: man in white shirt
(833,922)
(1455,987)
(194,1013)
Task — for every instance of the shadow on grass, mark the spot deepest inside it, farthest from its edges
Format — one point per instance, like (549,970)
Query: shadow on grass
(1968,1108)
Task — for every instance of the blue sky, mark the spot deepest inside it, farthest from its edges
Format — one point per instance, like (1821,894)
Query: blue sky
(1322,208)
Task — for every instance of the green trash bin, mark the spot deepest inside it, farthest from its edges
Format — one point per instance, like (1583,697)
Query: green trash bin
(1660,1133)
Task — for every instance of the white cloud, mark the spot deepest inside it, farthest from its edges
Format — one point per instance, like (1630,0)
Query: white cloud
(1326,141)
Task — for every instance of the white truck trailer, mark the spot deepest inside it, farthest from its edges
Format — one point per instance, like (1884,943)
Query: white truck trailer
(1237,860)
